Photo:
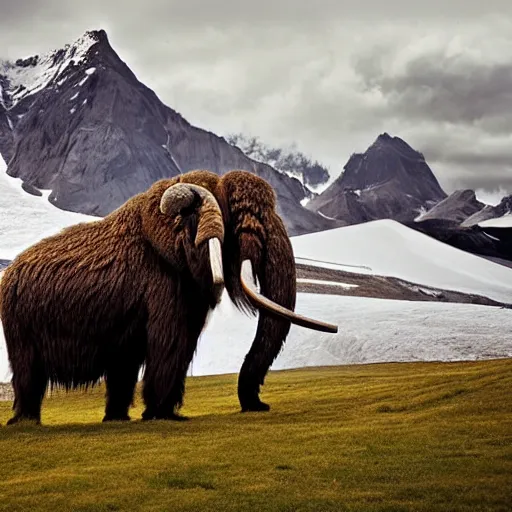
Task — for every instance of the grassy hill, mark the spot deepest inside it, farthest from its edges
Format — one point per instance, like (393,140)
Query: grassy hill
(387,437)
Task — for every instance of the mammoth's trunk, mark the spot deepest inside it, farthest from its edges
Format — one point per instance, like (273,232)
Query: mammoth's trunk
(211,227)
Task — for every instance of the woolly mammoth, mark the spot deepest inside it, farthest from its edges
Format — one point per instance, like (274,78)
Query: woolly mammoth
(101,299)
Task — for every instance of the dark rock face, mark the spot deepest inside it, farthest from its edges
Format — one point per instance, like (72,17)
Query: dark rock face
(457,207)
(490,212)
(30,189)
(390,180)
(92,133)
(471,239)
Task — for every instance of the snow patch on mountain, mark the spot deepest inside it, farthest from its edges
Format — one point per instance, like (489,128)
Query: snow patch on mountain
(422,211)
(28,76)
(499,222)
(25,218)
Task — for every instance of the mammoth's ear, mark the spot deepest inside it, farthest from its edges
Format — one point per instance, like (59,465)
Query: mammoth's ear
(201,203)
(178,198)
(196,199)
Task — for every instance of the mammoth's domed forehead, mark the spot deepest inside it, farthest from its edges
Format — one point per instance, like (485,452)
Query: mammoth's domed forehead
(203,178)
(245,185)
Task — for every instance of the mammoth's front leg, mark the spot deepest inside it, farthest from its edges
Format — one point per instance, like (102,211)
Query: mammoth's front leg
(121,379)
(172,340)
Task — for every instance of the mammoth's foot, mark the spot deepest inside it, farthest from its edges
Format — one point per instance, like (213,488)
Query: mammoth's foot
(151,415)
(111,417)
(248,394)
(254,406)
(18,418)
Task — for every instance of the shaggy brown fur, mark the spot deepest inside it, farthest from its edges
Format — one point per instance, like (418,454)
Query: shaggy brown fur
(254,230)
(102,298)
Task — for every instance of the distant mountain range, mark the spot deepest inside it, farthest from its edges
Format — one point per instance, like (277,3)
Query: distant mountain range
(78,122)
(311,174)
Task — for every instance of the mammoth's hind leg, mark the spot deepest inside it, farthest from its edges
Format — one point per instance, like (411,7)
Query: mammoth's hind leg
(29,382)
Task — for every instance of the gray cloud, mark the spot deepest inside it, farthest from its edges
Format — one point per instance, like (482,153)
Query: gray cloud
(327,75)
(452,88)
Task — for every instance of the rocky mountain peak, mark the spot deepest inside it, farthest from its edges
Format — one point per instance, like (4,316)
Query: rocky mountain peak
(78,122)
(457,207)
(391,158)
(385,141)
(389,180)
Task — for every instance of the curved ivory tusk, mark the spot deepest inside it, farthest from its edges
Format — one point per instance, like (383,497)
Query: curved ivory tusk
(215,251)
(263,303)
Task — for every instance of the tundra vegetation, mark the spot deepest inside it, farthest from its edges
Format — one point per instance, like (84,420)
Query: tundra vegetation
(383,437)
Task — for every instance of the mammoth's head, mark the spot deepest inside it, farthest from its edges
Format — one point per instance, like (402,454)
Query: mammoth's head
(197,212)
(257,245)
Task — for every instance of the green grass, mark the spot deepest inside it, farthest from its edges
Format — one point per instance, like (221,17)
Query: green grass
(389,437)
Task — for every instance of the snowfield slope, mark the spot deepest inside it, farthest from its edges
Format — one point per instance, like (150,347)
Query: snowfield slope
(26,218)
(388,248)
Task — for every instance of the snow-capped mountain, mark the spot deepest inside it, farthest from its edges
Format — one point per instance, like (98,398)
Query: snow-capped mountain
(391,180)
(77,122)
(26,77)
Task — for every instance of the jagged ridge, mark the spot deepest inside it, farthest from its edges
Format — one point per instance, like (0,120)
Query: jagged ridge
(490,212)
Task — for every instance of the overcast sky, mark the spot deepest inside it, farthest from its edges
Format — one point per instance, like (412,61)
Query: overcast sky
(328,75)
